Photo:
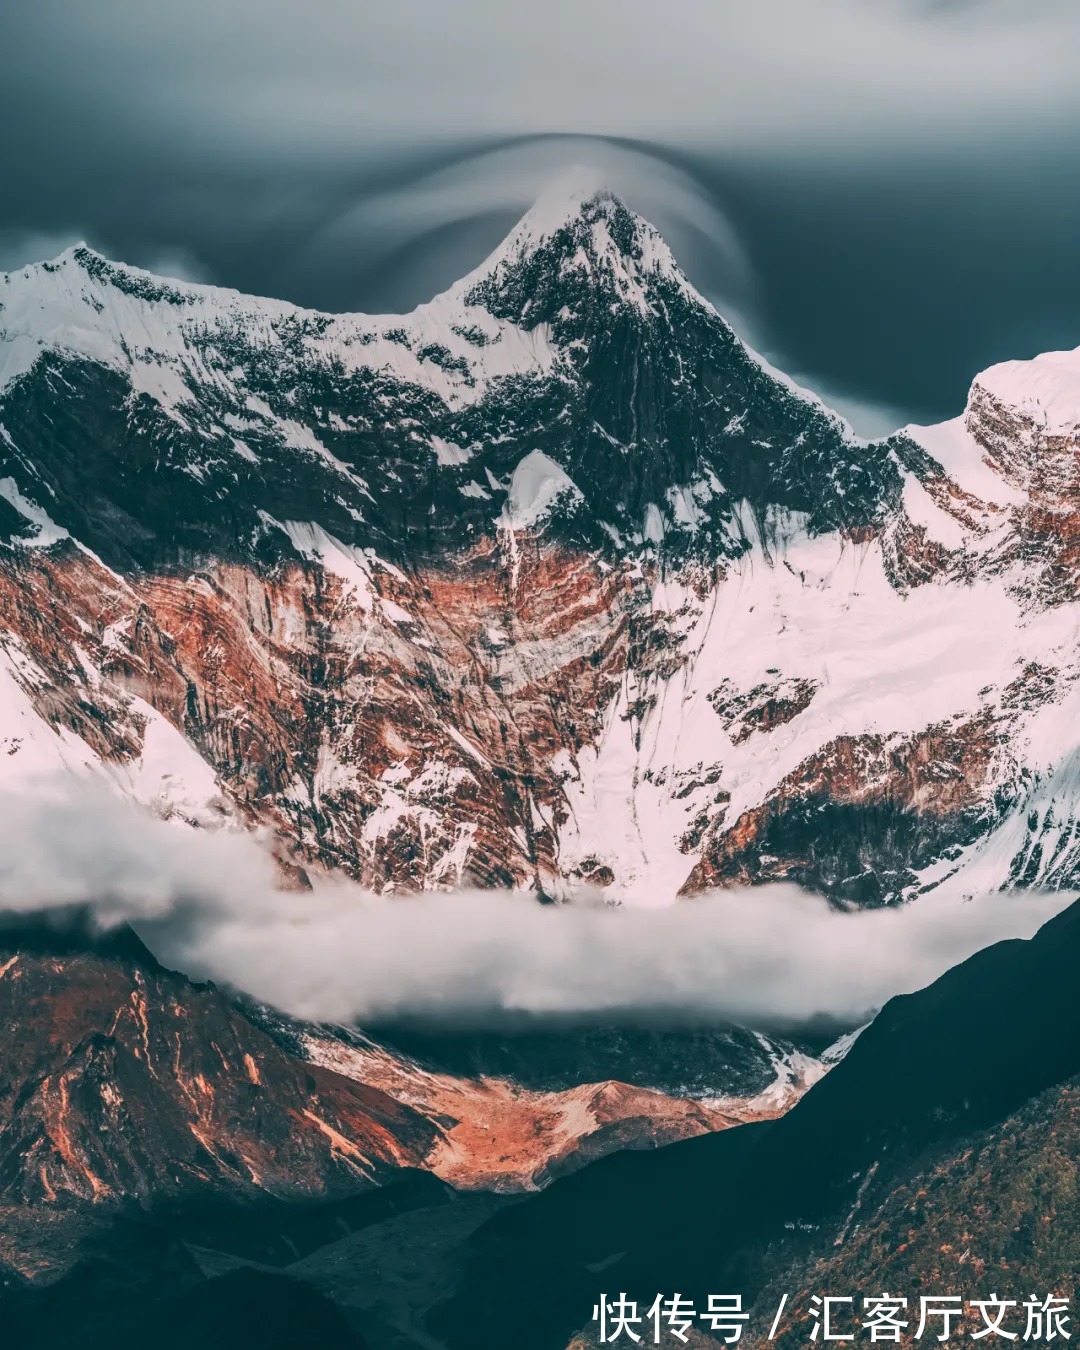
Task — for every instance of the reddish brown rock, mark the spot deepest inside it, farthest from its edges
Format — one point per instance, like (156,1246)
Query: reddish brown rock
(126,1084)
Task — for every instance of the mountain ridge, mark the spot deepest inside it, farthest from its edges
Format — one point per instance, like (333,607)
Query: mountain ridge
(252,554)
(779,1203)
(549,585)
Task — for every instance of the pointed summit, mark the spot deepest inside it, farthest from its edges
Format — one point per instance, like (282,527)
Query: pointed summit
(579,244)
(562,202)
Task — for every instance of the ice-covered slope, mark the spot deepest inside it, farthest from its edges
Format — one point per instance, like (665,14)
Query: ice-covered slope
(579,338)
(550,581)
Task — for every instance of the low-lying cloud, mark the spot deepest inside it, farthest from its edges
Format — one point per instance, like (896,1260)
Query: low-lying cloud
(208,902)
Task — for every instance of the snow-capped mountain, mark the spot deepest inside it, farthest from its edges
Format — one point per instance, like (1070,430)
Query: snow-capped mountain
(551,581)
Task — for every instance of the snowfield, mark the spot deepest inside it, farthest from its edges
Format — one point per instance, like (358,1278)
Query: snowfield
(671,673)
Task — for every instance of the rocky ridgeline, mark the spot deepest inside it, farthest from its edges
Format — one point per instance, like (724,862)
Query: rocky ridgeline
(552,580)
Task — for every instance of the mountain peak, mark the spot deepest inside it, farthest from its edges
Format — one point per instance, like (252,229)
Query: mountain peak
(578,206)
(577,236)
(581,190)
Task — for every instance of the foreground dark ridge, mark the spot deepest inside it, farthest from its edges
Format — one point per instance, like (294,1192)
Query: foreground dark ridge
(919,1089)
(939,1150)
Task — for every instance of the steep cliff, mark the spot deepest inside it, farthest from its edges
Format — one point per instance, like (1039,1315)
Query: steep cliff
(551,581)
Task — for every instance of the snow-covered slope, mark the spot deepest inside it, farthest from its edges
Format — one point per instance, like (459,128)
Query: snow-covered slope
(551,581)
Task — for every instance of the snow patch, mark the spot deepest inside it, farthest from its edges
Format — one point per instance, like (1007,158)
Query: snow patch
(535,486)
(923,510)
(313,542)
(448,454)
(1045,389)
(48,532)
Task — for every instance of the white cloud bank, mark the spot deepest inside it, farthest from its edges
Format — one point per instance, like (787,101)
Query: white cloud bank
(208,903)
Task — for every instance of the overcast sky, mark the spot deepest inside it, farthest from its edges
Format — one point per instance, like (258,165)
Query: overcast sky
(884,194)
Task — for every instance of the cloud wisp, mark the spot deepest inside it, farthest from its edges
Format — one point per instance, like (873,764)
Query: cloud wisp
(475,196)
(208,902)
(20,247)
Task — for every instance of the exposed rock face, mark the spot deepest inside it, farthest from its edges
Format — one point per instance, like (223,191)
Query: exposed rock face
(893,804)
(498,1136)
(130,1090)
(551,581)
(128,1085)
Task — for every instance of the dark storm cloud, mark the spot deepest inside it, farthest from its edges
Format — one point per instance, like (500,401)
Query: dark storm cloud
(333,73)
(884,192)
